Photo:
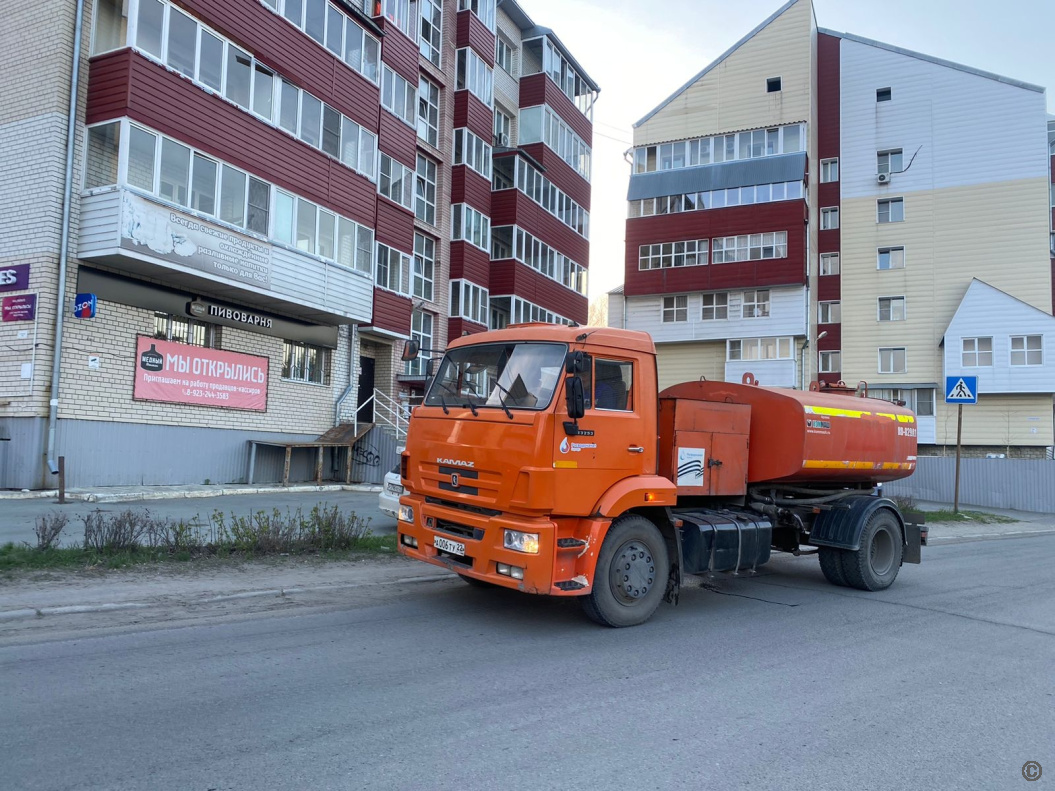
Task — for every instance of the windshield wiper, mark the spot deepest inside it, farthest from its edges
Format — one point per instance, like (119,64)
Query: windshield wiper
(472,407)
(502,401)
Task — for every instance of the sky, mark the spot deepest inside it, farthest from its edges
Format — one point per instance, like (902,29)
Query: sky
(639,57)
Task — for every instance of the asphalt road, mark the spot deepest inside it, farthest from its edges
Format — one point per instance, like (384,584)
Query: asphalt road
(17,517)
(777,681)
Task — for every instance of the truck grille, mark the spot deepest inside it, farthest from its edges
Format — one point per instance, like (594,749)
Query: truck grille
(463,531)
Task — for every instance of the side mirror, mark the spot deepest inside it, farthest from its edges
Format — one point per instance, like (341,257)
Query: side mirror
(575,363)
(430,368)
(410,350)
(576,396)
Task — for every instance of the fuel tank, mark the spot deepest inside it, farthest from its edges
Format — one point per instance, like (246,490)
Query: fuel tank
(808,437)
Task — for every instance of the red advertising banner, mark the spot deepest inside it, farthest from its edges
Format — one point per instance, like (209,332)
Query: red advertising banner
(183,374)
(20,308)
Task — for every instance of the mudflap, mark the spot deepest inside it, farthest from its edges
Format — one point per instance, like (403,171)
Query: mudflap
(913,544)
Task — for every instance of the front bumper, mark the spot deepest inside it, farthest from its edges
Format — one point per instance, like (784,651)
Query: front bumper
(552,571)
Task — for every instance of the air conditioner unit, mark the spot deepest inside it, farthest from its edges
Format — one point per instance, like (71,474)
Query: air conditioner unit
(883,178)
(500,141)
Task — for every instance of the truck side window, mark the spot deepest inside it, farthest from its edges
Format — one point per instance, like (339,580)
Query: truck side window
(614,385)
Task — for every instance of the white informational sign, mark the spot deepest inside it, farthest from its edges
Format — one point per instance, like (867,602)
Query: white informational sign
(690,466)
(94,362)
(172,235)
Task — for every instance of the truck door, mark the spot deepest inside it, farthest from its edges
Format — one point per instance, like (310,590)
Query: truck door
(613,440)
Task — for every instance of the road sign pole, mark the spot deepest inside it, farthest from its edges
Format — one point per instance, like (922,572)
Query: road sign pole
(959,437)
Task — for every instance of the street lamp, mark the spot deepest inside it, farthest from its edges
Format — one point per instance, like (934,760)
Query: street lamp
(802,360)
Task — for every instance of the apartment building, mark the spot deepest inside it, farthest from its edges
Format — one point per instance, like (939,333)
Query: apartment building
(267,198)
(817,206)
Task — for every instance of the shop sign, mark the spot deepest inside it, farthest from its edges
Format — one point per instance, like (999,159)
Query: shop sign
(178,373)
(20,308)
(161,232)
(14,278)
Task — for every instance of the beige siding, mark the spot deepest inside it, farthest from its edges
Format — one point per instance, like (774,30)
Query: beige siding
(1004,420)
(687,362)
(944,250)
(733,94)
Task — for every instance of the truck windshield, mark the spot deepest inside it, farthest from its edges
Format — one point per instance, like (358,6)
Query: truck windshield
(510,375)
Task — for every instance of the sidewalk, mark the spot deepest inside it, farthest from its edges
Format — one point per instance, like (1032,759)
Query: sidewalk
(1027,523)
(124,494)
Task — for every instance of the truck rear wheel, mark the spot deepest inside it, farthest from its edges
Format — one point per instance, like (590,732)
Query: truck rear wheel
(631,575)
(832,565)
(875,565)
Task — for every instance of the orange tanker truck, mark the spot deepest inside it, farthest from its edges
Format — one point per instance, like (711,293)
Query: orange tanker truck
(544,459)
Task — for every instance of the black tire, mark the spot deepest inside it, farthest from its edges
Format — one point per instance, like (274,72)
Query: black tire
(631,576)
(875,565)
(832,565)
(477,583)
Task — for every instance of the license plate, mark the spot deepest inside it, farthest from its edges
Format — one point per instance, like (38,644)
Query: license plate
(446,545)
(396,490)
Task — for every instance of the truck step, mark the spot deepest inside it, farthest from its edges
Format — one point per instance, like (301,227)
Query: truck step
(569,585)
(570,543)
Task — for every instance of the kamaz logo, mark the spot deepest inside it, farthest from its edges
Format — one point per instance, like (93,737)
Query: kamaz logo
(456,462)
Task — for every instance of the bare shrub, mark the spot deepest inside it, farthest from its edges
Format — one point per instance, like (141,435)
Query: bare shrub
(114,533)
(48,528)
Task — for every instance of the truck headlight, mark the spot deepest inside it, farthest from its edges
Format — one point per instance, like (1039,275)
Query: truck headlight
(406,513)
(521,542)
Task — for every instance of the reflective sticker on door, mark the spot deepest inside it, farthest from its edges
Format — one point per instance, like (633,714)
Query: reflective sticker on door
(690,466)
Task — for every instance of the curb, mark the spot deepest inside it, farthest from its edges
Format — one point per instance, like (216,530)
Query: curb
(125,497)
(988,536)
(81,609)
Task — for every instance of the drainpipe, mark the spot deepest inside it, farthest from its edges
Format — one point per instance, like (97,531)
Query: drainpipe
(64,249)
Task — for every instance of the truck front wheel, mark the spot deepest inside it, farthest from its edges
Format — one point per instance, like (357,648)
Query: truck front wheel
(875,565)
(631,575)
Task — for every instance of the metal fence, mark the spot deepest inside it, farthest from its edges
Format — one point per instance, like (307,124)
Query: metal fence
(1017,484)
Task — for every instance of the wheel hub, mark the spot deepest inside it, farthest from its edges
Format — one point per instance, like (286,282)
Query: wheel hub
(633,572)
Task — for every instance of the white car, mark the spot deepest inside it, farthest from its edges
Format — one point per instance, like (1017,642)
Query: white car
(391,491)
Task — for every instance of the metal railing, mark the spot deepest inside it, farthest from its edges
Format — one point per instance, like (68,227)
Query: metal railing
(389,413)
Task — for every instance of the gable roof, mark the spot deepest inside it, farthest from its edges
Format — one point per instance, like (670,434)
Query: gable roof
(716,62)
(931,59)
(976,287)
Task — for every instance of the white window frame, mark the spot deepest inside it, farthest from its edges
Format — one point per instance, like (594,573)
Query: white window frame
(430,41)
(718,307)
(885,160)
(399,97)
(755,304)
(422,329)
(750,144)
(890,352)
(830,218)
(829,362)
(474,75)
(483,9)
(1025,352)
(889,204)
(425,189)
(754,349)
(427,111)
(673,255)
(472,151)
(889,251)
(370,45)
(398,280)
(974,357)
(471,302)
(393,172)
(826,265)
(749,247)
(508,62)
(424,270)
(470,225)
(892,302)
(829,312)
(829,170)
(675,309)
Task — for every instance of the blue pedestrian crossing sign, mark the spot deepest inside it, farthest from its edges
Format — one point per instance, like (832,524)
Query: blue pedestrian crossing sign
(961,389)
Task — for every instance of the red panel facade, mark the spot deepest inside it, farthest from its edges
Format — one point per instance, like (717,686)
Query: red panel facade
(391,312)
(219,128)
(540,89)
(560,173)
(828,288)
(468,186)
(470,263)
(474,33)
(395,226)
(398,52)
(833,341)
(763,218)
(513,207)
(472,113)
(108,86)
(398,139)
(513,277)
(458,327)
(288,50)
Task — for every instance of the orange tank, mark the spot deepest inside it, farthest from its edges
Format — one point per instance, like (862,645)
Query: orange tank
(804,437)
